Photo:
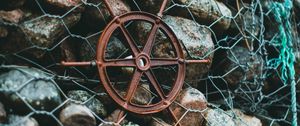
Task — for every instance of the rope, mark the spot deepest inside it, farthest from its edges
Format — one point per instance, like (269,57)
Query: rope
(282,14)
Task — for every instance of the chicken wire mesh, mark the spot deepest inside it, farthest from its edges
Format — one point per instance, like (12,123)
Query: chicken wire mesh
(244,84)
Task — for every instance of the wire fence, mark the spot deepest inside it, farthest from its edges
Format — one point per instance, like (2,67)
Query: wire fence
(239,37)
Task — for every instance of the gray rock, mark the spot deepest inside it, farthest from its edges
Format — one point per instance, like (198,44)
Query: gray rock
(15,120)
(14,16)
(68,51)
(45,31)
(77,115)
(242,66)
(93,104)
(113,118)
(246,23)
(142,96)
(205,12)
(196,40)
(88,49)
(2,113)
(152,6)
(262,115)
(130,124)
(192,99)
(33,85)
(64,4)
(217,117)
(158,122)
(99,16)
(240,119)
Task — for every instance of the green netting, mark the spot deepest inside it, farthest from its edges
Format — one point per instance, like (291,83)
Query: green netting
(282,15)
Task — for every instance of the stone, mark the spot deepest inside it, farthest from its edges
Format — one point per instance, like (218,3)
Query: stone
(2,113)
(99,16)
(113,118)
(242,66)
(204,12)
(246,22)
(68,51)
(88,49)
(14,16)
(152,6)
(15,120)
(261,115)
(33,85)
(240,119)
(13,38)
(142,96)
(45,31)
(192,99)
(93,104)
(158,122)
(13,42)
(130,124)
(77,115)
(64,4)
(217,117)
(196,42)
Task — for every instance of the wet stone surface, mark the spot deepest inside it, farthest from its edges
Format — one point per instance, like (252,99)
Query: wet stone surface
(158,122)
(13,16)
(77,115)
(113,51)
(15,120)
(64,4)
(241,119)
(193,99)
(217,117)
(93,104)
(44,31)
(98,17)
(33,86)
(241,66)
(152,6)
(205,12)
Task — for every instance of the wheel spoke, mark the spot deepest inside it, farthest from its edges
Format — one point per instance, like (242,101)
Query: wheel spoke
(133,84)
(135,50)
(155,84)
(151,39)
(163,62)
(120,62)
(174,117)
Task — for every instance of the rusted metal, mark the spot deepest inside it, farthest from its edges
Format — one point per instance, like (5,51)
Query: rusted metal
(162,8)
(109,8)
(139,54)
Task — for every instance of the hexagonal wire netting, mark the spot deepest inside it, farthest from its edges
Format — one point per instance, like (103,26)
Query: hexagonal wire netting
(240,37)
